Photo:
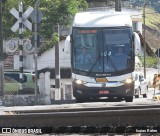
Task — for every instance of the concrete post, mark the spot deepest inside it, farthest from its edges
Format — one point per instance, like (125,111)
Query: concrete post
(57,69)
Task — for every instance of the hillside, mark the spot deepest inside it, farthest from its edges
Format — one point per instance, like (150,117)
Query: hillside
(153,18)
(152,27)
(155,4)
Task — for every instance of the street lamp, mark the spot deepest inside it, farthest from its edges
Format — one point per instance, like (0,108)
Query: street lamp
(144,39)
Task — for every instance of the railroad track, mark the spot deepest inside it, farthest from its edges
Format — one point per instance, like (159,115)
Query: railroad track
(81,108)
(109,119)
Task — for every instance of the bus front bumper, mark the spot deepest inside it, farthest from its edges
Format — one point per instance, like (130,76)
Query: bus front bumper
(103,90)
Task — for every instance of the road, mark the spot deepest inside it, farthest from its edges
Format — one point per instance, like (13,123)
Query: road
(79,106)
(139,100)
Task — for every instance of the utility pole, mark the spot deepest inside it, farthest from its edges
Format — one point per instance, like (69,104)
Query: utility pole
(118,5)
(57,68)
(36,18)
(144,38)
(35,45)
(1,55)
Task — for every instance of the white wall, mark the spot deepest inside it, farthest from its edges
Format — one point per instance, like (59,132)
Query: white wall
(139,26)
(135,14)
(16,61)
(47,59)
(28,62)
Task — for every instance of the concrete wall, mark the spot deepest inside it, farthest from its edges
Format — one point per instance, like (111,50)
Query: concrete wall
(43,98)
(47,59)
(28,62)
(25,100)
(66,89)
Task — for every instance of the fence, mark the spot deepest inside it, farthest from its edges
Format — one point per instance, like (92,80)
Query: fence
(66,92)
(14,96)
(46,92)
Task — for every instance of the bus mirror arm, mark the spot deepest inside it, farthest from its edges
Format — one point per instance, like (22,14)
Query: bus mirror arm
(137,43)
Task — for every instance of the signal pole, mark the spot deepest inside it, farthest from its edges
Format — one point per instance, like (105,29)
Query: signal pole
(21,44)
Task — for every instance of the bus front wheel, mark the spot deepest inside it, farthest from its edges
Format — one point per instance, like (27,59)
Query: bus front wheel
(79,100)
(129,99)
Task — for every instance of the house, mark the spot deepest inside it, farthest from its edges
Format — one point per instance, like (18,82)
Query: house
(47,58)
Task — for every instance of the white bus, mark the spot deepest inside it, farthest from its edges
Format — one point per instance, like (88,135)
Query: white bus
(96,69)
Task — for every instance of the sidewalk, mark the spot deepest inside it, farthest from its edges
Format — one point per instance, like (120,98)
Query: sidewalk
(151,93)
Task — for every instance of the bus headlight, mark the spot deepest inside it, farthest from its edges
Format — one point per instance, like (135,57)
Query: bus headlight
(79,82)
(129,80)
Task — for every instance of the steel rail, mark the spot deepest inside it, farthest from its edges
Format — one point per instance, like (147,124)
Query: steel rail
(85,108)
(123,117)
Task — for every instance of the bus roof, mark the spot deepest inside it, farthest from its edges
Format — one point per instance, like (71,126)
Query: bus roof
(102,19)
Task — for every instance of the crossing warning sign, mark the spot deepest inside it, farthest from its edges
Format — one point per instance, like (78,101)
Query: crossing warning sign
(25,15)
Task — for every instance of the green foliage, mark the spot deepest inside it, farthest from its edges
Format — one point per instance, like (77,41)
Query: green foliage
(54,11)
(49,43)
(151,62)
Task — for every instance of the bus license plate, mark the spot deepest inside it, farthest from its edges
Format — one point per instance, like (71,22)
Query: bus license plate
(103,91)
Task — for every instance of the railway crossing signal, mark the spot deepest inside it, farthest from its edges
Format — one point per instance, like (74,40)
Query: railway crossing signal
(25,15)
(11,46)
(36,16)
(28,47)
(21,22)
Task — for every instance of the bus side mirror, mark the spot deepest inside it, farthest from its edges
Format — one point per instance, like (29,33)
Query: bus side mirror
(137,43)
(67,45)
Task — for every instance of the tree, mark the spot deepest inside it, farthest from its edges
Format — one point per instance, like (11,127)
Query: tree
(151,62)
(54,11)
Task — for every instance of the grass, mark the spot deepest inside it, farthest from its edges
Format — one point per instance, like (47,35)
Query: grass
(152,18)
(12,86)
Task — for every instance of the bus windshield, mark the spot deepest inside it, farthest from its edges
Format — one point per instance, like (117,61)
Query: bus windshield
(108,50)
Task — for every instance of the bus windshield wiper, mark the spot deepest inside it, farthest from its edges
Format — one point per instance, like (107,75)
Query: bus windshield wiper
(112,63)
(94,64)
